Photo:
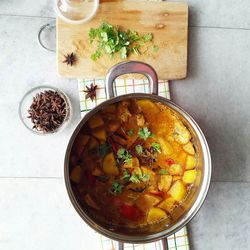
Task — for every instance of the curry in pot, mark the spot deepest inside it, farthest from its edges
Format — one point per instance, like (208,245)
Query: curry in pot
(133,163)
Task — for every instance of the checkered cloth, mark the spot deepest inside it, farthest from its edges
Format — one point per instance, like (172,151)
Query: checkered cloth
(179,240)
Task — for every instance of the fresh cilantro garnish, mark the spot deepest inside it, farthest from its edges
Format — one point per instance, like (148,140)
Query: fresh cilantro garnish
(112,39)
(103,149)
(136,178)
(138,149)
(124,155)
(143,176)
(144,133)
(131,132)
(156,147)
(163,171)
(116,188)
(126,175)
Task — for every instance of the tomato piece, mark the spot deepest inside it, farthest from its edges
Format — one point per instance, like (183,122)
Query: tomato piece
(130,212)
(170,161)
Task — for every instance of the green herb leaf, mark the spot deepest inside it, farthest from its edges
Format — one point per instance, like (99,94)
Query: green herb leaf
(148,37)
(163,171)
(96,55)
(155,48)
(145,177)
(123,53)
(126,175)
(116,188)
(156,147)
(142,176)
(144,133)
(124,155)
(134,178)
(139,149)
(103,149)
(112,39)
(131,132)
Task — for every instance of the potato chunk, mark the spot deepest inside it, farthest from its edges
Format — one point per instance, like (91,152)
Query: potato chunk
(113,125)
(80,143)
(109,165)
(147,105)
(190,162)
(166,148)
(175,169)
(189,176)
(93,143)
(156,214)
(181,133)
(95,121)
(76,174)
(99,134)
(165,182)
(150,173)
(167,204)
(147,201)
(189,148)
(132,164)
(178,191)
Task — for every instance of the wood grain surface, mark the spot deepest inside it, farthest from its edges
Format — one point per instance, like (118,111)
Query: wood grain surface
(167,21)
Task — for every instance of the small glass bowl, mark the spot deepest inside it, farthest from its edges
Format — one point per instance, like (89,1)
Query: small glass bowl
(26,102)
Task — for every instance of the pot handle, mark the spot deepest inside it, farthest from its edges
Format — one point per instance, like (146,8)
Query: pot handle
(164,245)
(128,68)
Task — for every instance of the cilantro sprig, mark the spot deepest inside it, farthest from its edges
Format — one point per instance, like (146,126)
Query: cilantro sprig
(112,39)
(126,175)
(145,133)
(139,149)
(140,176)
(116,188)
(156,147)
(124,155)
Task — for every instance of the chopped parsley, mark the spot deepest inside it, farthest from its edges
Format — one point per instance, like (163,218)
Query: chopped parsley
(163,171)
(116,188)
(138,149)
(145,133)
(156,147)
(124,155)
(113,39)
(131,132)
(103,149)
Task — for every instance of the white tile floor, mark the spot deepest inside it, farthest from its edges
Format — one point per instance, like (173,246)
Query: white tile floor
(35,212)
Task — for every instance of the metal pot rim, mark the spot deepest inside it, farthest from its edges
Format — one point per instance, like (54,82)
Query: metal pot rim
(195,206)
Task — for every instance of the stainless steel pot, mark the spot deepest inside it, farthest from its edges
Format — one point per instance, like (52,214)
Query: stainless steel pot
(184,213)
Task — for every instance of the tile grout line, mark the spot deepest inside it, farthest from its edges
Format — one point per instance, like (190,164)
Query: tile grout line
(190,26)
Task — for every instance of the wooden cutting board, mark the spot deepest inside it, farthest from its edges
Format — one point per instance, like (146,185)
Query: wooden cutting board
(167,21)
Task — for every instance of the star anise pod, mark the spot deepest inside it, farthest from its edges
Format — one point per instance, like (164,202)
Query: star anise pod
(70,59)
(91,92)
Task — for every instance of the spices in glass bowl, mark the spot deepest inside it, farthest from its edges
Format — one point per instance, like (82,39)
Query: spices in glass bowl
(48,111)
